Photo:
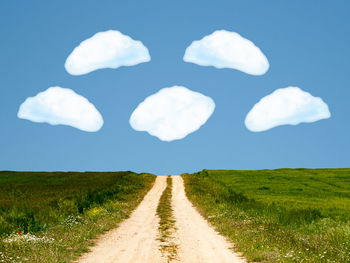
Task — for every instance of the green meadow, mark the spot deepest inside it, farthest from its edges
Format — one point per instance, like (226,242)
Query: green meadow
(284,215)
(54,216)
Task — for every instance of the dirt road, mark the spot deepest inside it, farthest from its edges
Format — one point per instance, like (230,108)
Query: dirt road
(135,240)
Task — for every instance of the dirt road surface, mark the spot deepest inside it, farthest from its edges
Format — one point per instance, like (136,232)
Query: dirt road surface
(198,242)
(135,240)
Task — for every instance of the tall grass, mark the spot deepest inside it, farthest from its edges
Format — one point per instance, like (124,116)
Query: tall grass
(59,213)
(285,215)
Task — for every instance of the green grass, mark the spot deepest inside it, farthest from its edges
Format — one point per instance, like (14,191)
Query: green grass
(167,223)
(284,215)
(61,213)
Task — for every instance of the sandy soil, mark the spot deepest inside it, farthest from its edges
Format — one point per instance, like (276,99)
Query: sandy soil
(197,241)
(135,240)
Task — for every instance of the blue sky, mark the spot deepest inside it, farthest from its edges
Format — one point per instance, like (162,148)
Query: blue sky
(307,45)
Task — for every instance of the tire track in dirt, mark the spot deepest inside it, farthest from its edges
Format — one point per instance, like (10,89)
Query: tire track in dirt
(198,241)
(136,238)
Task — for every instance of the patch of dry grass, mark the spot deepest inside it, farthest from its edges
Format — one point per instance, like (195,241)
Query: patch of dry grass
(167,223)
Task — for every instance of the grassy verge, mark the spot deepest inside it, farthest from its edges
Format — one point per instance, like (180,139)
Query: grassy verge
(167,223)
(285,215)
(59,214)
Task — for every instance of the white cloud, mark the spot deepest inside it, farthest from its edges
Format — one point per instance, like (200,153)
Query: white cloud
(61,106)
(109,49)
(172,113)
(289,105)
(224,49)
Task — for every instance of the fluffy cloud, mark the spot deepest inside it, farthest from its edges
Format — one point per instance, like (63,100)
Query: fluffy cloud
(109,49)
(289,105)
(172,113)
(61,106)
(224,49)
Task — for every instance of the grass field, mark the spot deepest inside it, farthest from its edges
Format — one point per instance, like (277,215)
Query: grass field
(58,214)
(284,215)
